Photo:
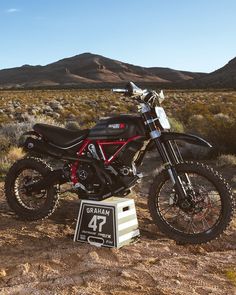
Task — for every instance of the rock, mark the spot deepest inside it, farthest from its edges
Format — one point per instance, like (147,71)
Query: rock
(70,117)
(56,115)
(10,110)
(22,117)
(92,103)
(32,111)
(63,281)
(125,274)
(177,282)
(56,105)
(16,104)
(2,273)
(94,256)
(22,269)
(166,248)
(78,280)
(47,109)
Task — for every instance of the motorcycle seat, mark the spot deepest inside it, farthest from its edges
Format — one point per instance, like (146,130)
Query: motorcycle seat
(58,136)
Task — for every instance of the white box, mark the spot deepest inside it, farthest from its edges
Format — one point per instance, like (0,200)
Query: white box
(108,223)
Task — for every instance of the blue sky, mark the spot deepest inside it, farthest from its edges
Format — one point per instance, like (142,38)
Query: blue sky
(195,35)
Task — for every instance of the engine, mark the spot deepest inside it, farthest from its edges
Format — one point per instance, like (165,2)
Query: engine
(88,178)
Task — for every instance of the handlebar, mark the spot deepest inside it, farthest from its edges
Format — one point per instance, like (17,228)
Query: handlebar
(147,96)
(131,90)
(120,90)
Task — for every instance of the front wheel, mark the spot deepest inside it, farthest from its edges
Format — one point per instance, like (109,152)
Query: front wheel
(210,202)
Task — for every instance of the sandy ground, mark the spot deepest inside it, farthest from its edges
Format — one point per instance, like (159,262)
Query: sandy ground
(41,258)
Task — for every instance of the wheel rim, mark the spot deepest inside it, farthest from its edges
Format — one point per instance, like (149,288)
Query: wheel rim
(205,212)
(31,201)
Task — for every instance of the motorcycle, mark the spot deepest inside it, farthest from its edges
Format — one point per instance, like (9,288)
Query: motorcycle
(188,201)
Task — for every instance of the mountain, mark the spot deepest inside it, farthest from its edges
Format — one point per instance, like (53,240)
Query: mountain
(90,69)
(224,77)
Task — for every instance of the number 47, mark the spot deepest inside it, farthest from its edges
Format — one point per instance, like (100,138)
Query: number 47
(97,221)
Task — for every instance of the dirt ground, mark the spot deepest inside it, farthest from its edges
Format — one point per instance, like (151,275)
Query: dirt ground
(41,258)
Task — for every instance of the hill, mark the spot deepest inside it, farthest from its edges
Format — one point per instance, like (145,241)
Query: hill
(224,77)
(89,69)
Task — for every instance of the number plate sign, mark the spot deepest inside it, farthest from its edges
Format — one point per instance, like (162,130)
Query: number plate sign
(96,224)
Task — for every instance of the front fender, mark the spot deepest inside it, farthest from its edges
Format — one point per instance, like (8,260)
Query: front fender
(190,138)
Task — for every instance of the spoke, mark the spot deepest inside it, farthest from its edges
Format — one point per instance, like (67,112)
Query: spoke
(176,217)
(193,225)
(190,225)
(204,221)
(166,211)
(215,202)
(34,201)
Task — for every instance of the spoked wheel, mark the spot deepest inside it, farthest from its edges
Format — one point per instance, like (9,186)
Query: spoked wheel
(205,215)
(26,204)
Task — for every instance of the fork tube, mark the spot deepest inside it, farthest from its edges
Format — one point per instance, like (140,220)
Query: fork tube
(175,156)
(171,152)
(155,135)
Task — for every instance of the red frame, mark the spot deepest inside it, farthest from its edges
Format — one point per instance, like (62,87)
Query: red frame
(100,144)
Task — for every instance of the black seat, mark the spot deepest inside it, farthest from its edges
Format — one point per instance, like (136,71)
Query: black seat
(60,136)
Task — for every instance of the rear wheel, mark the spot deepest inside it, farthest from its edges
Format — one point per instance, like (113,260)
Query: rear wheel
(29,205)
(210,203)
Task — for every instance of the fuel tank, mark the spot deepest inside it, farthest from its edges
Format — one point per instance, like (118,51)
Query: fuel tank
(123,126)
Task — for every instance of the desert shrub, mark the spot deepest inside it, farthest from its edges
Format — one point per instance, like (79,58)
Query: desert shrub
(192,109)
(6,160)
(73,125)
(214,122)
(4,167)
(226,160)
(89,125)
(219,130)
(176,125)
(13,131)
(231,275)
(4,143)
(14,154)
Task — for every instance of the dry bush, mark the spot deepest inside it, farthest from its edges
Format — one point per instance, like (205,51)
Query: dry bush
(13,131)
(226,160)
(218,128)
(4,167)
(231,275)
(73,125)
(14,154)
(6,160)
(176,125)
(4,143)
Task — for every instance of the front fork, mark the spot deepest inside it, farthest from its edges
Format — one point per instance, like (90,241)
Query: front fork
(167,154)
(169,160)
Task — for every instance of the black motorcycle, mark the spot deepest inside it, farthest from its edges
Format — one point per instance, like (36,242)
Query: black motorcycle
(188,201)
